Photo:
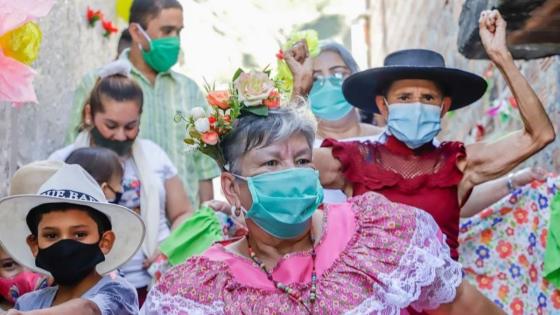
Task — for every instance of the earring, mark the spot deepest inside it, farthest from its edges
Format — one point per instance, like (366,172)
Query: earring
(236,212)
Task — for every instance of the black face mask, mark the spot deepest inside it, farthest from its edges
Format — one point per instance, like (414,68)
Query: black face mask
(120,147)
(69,261)
(118,197)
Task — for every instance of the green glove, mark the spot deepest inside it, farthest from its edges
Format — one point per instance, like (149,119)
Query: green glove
(552,251)
(192,237)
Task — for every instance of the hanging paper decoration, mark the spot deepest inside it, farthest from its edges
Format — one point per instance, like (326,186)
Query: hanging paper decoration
(495,109)
(505,105)
(512,102)
(20,40)
(109,28)
(122,7)
(23,43)
(93,16)
(284,74)
(489,71)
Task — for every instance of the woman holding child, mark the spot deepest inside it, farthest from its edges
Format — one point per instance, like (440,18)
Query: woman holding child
(151,186)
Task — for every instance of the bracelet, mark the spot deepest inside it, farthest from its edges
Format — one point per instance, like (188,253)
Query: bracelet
(510,185)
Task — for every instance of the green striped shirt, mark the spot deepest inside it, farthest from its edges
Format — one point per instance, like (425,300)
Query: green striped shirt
(171,92)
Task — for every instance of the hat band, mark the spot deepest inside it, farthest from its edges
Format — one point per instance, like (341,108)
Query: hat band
(68,194)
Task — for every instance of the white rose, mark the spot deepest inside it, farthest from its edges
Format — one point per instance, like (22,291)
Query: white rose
(253,88)
(198,112)
(202,125)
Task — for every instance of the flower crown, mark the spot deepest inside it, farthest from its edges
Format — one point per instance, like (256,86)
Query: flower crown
(249,93)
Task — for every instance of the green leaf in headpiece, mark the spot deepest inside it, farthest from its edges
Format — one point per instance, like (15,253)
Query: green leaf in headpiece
(267,70)
(255,110)
(236,75)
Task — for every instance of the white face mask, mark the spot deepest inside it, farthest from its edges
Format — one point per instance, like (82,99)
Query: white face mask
(415,124)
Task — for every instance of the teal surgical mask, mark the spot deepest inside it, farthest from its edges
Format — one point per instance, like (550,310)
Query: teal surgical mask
(327,100)
(415,124)
(163,53)
(284,201)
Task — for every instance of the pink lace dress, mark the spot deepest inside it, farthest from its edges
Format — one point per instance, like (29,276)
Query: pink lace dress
(374,257)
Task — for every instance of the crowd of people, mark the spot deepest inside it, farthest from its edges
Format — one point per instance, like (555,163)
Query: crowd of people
(333,214)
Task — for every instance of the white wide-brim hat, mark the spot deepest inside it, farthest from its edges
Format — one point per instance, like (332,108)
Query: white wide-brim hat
(73,185)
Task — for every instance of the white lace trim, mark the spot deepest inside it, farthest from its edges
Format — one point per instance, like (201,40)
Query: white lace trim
(423,288)
(160,303)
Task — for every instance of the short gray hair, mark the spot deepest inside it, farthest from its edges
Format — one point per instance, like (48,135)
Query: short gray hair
(342,52)
(250,132)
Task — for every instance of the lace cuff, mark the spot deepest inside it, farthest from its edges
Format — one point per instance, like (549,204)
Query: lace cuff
(161,303)
(426,277)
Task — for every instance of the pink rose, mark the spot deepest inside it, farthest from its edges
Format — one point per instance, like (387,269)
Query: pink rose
(210,137)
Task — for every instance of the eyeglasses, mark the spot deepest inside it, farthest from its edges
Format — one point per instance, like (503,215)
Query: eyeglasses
(336,79)
(118,195)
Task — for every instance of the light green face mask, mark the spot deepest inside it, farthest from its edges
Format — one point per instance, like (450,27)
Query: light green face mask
(327,100)
(163,53)
(284,201)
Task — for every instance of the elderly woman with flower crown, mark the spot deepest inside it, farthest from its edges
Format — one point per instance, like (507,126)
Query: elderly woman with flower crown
(365,256)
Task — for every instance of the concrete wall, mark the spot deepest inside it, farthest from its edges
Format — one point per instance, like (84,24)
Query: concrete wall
(432,24)
(70,49)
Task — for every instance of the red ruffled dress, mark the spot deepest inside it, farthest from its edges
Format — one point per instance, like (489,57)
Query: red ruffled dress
(426,178)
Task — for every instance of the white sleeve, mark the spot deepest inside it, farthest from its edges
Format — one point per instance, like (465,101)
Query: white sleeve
(159,160)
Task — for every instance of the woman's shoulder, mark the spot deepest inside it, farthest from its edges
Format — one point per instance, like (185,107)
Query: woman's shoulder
(149,146)
(369,130)
(156,156)
(62,153)
(373,208)
(395,249)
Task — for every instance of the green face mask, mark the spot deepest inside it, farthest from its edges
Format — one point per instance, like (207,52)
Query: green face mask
(284,201)
(163,53)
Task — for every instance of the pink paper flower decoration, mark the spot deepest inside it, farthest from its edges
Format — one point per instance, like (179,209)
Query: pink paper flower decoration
(16,77)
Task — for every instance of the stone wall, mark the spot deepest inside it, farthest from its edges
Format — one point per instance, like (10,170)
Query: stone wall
(431,24)
(70,48)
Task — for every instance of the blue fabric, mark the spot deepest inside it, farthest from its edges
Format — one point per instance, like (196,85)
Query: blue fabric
(112,296)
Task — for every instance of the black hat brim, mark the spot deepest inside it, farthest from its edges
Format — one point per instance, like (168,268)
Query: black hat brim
(464,88)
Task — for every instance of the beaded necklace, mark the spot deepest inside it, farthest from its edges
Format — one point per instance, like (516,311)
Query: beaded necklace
(283,287)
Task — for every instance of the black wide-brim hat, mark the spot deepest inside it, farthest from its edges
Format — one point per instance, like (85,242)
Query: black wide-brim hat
(464,88)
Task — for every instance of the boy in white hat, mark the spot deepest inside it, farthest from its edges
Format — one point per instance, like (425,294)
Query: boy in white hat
(15,280)
(70,231)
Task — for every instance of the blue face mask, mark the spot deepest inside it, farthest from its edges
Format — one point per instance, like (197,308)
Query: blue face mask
(327,100)
(284,201)
(415,124)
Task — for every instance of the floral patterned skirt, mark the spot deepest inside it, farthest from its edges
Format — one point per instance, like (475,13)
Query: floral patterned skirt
(502,250)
